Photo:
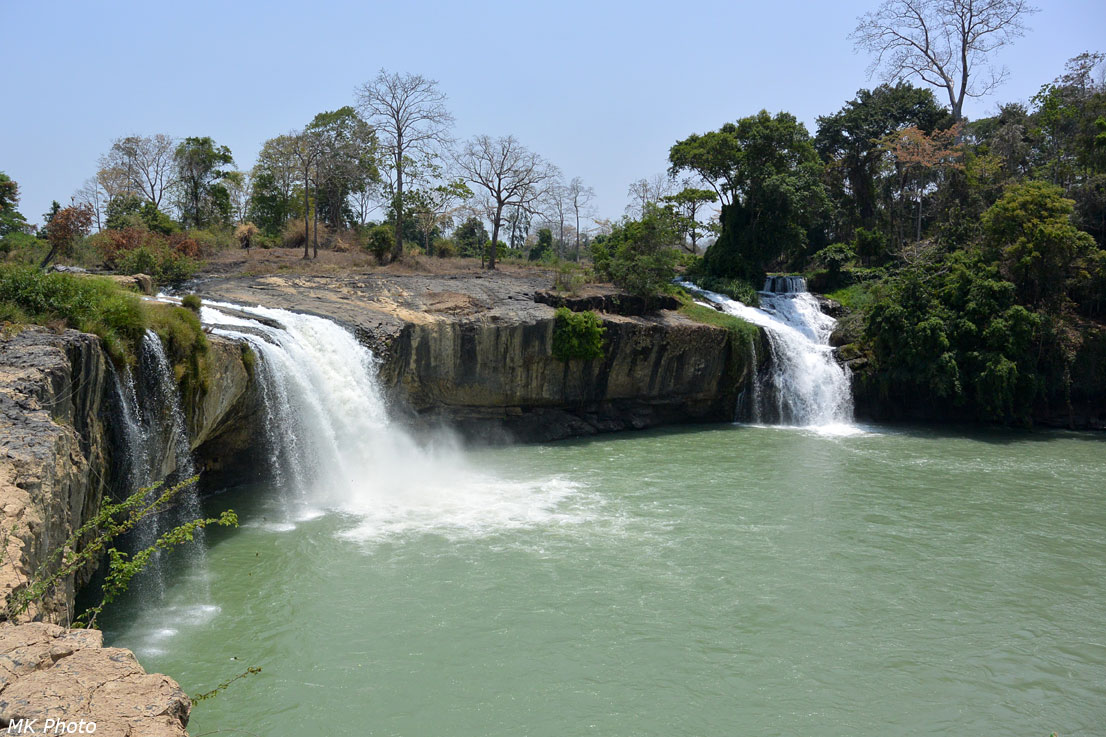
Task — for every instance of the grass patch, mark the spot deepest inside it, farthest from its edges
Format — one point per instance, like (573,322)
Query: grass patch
(855,297)
(28,296)
(88,304)
(746,331)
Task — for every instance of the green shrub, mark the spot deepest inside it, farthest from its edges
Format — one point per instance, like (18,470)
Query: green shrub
(192,302)
(577,335)
(379,241)
(91,305)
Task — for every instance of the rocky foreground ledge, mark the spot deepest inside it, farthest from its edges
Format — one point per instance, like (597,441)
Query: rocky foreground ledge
(60,681)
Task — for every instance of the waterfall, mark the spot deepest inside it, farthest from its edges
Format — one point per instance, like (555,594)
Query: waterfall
(332,445)
(155,441)
(802,384)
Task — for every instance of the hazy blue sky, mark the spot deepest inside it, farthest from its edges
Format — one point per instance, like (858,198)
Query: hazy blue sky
(602,89)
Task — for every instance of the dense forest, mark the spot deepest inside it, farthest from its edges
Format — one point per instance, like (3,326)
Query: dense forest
(968,253)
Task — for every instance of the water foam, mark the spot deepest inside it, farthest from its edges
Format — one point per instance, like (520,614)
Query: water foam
(333,446)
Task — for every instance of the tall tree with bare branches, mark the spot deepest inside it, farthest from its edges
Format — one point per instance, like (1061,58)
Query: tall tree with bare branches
(945,43)
(507,175)
(147,162)
(581,197)
(411,121)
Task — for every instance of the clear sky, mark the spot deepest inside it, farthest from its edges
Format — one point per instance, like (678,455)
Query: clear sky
(602,89)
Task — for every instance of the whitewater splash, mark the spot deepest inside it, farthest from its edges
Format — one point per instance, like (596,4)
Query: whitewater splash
(332,445)
(154,440)
(803,385)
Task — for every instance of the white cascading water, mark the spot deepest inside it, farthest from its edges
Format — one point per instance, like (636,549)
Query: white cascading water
(804,385)
(155,439)
(332,445)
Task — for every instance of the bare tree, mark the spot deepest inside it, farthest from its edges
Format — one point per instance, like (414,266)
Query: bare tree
(239,186)
(92,196)
(507,174)
(644,192)
(557,206)
(581,198)
(411,121)
(146,162)
(945,43)
(306,148)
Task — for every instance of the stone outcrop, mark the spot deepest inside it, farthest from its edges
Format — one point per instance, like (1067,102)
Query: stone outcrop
(57,454)
(49,672)
(474,351)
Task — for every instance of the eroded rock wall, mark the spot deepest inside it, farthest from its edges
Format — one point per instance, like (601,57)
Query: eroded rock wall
(498,377)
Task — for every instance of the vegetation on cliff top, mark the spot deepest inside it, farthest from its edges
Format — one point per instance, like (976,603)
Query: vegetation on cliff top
(101,307)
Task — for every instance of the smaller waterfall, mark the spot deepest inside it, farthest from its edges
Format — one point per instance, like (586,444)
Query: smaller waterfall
(803,384)
(155,440)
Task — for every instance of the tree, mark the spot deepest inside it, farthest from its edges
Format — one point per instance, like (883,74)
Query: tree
(1029,230)
(409,114)
(306,147)
(146,163)
(713,156)
(470,237)
(919,156)
(432,206)
(645,192)
(92,195)
(638,255)
(768,175)
(945,43)
(67,225)
(273,199)
(239,185)
(346,163)
(848,141)
(686,204)
(581,198)
(203,198)
(508,175)
(11,221)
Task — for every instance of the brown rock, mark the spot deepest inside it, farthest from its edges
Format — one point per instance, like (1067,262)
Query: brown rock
(47,671)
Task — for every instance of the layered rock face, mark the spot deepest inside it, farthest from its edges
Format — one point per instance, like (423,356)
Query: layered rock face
(498,377)
(67,676)
(57,450)
(475,352)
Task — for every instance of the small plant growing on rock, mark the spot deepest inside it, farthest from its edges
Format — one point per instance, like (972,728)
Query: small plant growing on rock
(192,302)
(112,521)
(577,335)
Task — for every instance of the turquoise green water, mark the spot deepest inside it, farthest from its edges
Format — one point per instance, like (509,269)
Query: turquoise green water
(711,581)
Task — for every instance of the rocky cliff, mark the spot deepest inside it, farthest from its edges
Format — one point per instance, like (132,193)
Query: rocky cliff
(57,451)
(51,673)
(474,352)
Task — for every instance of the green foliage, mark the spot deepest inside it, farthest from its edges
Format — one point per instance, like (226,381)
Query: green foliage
(638,255)
(739,289)
(577,335)
(1029,230)
(745,331)
(204,200)
(470,237)
(835,257)
(191,302)
(91,305)
(959,334)
(544,246)
(185,344)
(94,539)
(569,277)
(11,220)
(773,178)
(379,241)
